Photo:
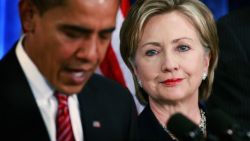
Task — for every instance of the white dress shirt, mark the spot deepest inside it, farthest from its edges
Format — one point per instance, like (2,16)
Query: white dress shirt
(44,96)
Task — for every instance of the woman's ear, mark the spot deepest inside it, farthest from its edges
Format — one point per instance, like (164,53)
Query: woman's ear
(207,61)
(132,63)
(27,12)
(136,75)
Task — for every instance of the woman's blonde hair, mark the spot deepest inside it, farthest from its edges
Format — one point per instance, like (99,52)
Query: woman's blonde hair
(199,15)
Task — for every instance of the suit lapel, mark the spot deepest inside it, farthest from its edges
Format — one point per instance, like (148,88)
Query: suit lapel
(92,118)
(149,127)
(87,107)
(24,113)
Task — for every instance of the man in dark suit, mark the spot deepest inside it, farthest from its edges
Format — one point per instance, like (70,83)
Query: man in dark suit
(63,43)
(231,90)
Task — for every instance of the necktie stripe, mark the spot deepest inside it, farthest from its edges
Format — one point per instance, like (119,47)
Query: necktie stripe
(68,138)
(64,124)
(64,130)
(63,119)
(64,133)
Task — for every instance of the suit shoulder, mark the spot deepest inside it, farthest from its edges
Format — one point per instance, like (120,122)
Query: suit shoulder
(103,84)
(106,93)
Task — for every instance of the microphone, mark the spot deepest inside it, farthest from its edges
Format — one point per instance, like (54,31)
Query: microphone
(184,129)
(225,128)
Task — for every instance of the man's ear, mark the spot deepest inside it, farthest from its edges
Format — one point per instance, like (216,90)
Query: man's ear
(27,11)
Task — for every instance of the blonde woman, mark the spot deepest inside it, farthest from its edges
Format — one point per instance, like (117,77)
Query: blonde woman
(171,47)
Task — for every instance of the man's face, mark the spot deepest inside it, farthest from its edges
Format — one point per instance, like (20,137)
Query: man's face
(68,42)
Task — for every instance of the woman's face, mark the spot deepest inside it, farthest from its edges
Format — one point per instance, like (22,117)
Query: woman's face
(170,59)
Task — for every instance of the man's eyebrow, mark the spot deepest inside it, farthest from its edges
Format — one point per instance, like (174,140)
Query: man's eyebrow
(75,28)
(85,30)
(108,30)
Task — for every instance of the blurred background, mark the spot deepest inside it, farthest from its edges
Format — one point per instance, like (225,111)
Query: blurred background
(10,28)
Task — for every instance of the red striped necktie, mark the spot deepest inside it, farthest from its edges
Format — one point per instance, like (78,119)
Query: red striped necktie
(64,130)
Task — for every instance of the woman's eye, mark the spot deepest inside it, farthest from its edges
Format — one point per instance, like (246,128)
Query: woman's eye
(183,48)
(151,52)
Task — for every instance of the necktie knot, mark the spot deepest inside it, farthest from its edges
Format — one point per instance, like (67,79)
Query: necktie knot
(62,100)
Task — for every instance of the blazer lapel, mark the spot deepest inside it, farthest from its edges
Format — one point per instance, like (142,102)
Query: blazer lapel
(92,125)
(23,113)
(149,127)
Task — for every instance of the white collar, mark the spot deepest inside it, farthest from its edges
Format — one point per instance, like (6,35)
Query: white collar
(40,87)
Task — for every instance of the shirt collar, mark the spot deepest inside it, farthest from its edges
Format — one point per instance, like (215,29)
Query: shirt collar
(40,87)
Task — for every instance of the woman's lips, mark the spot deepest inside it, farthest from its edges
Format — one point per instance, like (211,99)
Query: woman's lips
(172,82)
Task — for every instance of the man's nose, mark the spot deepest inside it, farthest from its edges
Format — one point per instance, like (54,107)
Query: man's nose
(88,50)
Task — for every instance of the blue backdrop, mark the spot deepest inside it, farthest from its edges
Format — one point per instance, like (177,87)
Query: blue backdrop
(10,28)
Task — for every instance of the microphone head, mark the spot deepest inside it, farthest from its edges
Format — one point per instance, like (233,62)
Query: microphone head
(184,129)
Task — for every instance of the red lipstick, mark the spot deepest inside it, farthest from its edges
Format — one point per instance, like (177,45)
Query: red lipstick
(172,82)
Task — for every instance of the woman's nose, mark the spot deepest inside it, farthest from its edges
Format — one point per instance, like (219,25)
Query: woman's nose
(169,62)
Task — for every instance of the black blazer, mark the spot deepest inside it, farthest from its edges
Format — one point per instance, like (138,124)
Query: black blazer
(149,129)
(101,100)
(231,89)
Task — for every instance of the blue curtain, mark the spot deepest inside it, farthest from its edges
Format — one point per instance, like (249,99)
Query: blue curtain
(10,28)
(218,7)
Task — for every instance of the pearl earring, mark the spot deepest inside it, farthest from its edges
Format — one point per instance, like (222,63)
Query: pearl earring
(204,76)
(139,82)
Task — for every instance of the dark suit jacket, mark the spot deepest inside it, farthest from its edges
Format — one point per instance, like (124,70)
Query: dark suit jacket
(149,129)
(101,100)
(231,89)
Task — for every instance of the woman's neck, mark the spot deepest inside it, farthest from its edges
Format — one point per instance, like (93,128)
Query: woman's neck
(163,111)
